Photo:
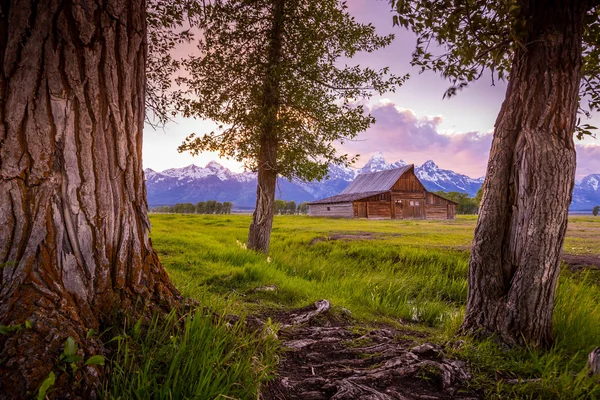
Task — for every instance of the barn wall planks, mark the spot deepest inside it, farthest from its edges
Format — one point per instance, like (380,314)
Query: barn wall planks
(331,210)
(407,195)
(451,211)
(360,209)
(408,182)
(436,200)
(412,208)
(379,209)
(436,212)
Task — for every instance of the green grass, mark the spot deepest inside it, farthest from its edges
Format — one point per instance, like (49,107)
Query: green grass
(189,357)
(399,272)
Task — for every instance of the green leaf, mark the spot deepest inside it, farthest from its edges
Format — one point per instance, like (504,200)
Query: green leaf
(8,329)
(117,338)
(48,382)
(28,324)
(70,347)
(72,359)
(95,360)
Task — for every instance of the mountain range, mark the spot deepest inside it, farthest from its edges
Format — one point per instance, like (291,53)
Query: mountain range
(215,182)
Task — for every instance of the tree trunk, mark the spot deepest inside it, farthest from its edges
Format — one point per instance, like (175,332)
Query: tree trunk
(74,230)
(515,259)
(262,219)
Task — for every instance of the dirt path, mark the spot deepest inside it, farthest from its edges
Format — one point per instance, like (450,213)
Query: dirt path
(330,358)
(579,262)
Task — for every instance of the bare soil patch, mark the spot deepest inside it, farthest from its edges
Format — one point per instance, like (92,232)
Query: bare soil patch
(328,357)
(574,262)
(351,236)
(581,262)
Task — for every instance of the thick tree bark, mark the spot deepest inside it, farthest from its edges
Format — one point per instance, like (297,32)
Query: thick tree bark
(515,259)
(74,242)
(262,220)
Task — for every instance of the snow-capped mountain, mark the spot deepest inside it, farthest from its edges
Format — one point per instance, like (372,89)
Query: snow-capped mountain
(434,178)
(193,184)
(377,163)
(215,182)
(586,194)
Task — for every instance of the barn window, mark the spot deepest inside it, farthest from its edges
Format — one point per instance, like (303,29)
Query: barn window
(416,203)
(328,209)
(412,203)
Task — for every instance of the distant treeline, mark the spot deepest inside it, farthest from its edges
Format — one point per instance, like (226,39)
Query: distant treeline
(214,207)
(203,207)
(289,207)
(465,204)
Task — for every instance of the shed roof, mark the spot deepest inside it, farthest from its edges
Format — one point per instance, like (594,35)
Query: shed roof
(376,181)
(344,198)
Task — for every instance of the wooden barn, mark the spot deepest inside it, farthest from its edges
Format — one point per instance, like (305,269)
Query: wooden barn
(391,194)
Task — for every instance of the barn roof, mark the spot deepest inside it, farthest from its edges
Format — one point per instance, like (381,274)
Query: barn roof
(367,185)
(344,198)
(376,181)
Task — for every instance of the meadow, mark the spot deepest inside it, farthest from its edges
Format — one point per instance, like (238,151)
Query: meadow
(401,273)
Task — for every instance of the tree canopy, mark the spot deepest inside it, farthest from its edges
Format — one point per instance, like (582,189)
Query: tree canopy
(465,40)
(318,90)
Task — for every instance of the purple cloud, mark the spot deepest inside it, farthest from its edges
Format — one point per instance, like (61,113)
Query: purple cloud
(588,160)
(401,134)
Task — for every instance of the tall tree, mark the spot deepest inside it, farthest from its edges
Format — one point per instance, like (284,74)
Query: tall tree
(270,72)
(201,207)
(544,48)
(227,207)
(74,245)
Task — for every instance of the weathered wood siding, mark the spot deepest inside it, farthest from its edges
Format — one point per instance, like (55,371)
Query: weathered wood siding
(408,195)
(374,207)
(408,182)
(437,207)
(331,210)
(436,212)
(379,209)
(434,199)
(451,211)
(412,209)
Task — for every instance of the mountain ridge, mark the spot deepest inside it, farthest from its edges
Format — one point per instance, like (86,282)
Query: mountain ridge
(216,182)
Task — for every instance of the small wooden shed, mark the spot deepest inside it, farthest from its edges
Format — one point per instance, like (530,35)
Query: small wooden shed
(391,194)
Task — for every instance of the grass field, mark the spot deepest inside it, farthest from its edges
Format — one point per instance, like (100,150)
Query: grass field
(410,273)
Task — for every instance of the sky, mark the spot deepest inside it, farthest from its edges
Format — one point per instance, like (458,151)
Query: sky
(414,124)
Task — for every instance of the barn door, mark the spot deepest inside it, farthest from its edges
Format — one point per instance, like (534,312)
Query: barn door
(420,209)
(362,209)
(413,209)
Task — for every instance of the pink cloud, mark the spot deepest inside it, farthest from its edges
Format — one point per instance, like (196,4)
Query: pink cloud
(400,134)
(588,160)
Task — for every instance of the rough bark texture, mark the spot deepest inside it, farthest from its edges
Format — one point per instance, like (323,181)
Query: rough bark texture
(262,220)
(74,242)
(594,361)
(515,259)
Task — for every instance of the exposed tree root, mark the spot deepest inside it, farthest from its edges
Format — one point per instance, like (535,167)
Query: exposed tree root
(331,359)
(594,361)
